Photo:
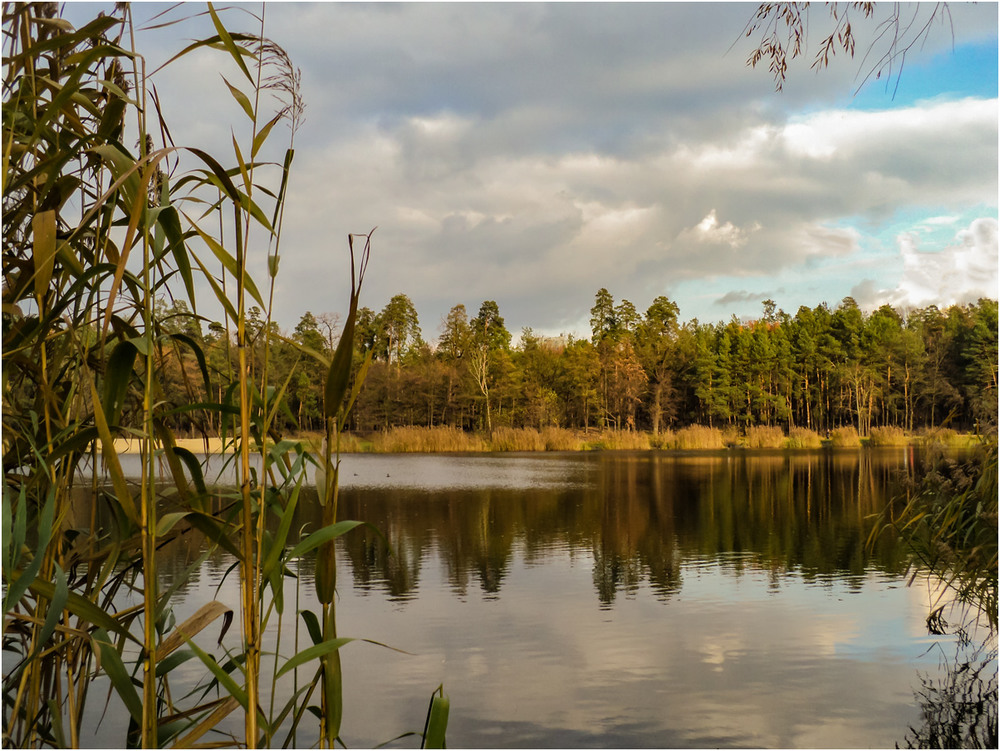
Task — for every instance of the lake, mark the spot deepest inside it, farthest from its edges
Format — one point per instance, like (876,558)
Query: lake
(606,599)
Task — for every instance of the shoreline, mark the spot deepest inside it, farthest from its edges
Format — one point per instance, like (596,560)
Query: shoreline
(442,441)
(194,445)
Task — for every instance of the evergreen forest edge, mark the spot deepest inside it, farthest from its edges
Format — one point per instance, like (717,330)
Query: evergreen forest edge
(819,374)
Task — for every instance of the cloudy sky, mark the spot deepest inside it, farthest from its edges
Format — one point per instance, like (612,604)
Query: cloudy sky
(534,153)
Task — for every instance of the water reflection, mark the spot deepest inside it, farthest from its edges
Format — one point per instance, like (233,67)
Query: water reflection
(608,600)
(641,518)
(958,706)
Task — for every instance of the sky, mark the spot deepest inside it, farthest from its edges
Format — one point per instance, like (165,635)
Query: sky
(534,153)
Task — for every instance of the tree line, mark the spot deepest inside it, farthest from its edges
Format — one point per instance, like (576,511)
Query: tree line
(820,368)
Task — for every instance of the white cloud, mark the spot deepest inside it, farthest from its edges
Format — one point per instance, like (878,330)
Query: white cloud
(827,242)
(959,273)
(710,232)
(532,154)
(938,221)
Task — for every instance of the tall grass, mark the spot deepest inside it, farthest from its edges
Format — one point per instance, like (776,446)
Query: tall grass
(516,439)
(426,440)
(803,438)
(949,521)
(561,439)
(845,438)
(944,438)
(764,437)
(697,437)
(887,436)
(622,440)
(83,353)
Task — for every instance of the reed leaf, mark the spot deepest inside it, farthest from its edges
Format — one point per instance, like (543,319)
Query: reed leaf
(224,678)
(18,582)
(241,163)
(259,140)
(243,100)
(117,376)
(311,653)
(220,294)
(194,467)
(437,720)
(333,676)
(13,530)
(60,597)
(338,376)
(124,495)
(214,42)
(214,530)
(114,668)
(167,522)
(201,619)
(87,611)
(324,535)
(222,710)
(227,39)
(230,264)
(221,177)
(312,625)
(43,226)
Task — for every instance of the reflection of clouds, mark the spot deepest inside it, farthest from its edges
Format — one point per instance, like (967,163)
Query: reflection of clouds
(811,668)
(928,593)
(727,659)
(726,662)
(715,649)
(830,633)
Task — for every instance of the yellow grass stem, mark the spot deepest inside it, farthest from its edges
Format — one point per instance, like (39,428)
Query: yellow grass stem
(765,437)
(845,438)
(803,438)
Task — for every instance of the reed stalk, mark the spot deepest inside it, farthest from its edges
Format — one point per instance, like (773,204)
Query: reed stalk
(84,350)
(148,500)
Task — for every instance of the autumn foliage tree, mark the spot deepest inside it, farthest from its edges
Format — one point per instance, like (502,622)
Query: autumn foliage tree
(820,368)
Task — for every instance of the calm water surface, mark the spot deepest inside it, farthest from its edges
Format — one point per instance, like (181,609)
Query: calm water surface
(620,600)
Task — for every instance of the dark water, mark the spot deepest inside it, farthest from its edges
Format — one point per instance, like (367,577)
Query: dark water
(620,600)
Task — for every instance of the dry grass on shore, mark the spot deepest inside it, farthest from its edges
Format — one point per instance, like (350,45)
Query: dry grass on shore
(622,440)
(426,440)
(504,439)
(765,437)
(887,436)
(516,439)
(563,439)
(845,438)
(698,437)
(803,438)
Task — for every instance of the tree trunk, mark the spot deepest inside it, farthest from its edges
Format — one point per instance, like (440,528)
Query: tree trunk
(656,410)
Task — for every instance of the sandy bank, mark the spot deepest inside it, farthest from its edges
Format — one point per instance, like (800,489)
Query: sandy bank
(194,445)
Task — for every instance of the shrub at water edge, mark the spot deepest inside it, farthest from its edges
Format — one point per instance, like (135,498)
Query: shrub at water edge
(764,437)
(845,438)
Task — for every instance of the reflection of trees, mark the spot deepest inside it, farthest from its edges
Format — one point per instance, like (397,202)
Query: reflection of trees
(959,710)
(643,515)
(805,512)
(635,534)
(640,518)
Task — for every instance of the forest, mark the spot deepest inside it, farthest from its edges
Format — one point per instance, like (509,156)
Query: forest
(819,369)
